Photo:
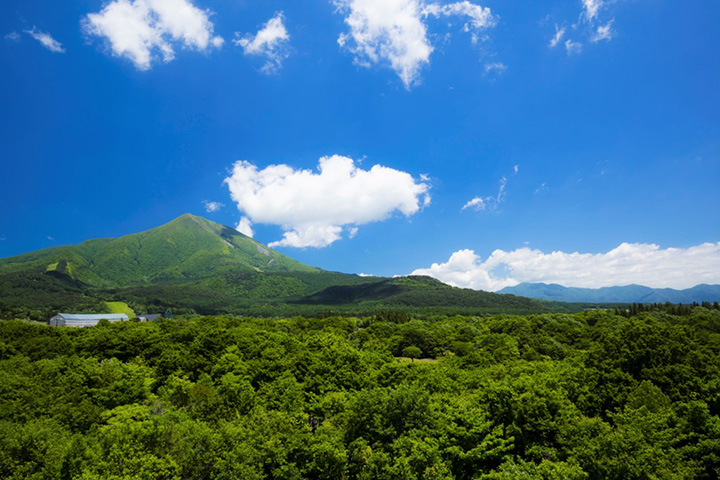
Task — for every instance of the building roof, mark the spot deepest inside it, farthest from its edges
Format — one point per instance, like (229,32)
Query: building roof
(151,316)
(93,316)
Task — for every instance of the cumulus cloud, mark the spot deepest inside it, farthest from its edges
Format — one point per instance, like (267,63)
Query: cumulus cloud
(244,226)
(316,208)
(629,263)
(211,207)
(143,30)
(45,39)
(394,32)
(270,42)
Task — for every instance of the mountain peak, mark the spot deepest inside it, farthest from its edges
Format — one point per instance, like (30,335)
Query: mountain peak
(186,248)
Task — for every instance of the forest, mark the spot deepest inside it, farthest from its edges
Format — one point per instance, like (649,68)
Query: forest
(593,395)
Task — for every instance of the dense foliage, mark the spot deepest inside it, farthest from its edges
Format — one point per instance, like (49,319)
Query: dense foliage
(552,396)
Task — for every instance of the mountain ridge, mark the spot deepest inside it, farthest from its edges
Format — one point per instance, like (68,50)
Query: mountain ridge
(632,293)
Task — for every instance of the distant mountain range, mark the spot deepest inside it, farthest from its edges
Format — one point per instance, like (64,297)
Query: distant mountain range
(194,265)
(625,294)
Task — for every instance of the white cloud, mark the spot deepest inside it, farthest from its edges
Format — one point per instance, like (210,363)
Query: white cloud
(45,39)
(496,67)
(270,42)
(387,31)
(573,47)
(541,188)
(594,25)
(394,32)
(638,263)
(13,36)
(559,33)
(315,209)
(140,30)
(516,169)
(591,8)
(491,202)
(211,207)
(479,18)
(604,32)
(477,203)
(244,226)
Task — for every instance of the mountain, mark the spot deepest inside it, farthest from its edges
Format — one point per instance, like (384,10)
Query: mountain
(194,265)
(624,294)
(187,248)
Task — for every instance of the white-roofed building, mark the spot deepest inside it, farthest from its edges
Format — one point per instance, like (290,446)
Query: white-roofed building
(84,320)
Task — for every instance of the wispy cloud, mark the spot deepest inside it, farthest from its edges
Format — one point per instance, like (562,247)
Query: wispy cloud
(604,32)
(573,47)
(394,33)
(46,40)
(559,33)
(316,208)
(496,68)
(211,207)
(595,24)
(271,42)
(591,9)
(145,30)
(629,263)
(12,36)
(490,202)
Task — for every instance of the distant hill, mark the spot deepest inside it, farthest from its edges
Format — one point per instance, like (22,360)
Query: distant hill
(624,294)
(194,265)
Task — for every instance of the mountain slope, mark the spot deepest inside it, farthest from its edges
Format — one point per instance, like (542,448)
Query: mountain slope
(193,265)
(187,248)
(624,294)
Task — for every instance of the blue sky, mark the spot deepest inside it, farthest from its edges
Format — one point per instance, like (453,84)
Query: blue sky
(588,128)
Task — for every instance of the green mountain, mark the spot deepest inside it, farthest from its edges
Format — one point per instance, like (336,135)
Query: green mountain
(193,265)
(187,248)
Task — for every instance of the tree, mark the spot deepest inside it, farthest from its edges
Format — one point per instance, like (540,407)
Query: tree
(412,352)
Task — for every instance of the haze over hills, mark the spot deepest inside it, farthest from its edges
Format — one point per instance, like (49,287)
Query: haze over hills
(622,294)
(195,265)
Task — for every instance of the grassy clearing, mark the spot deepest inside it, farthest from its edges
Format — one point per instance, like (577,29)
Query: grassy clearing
(121,307)
(417,360)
